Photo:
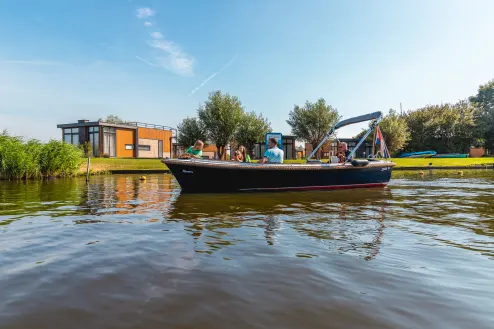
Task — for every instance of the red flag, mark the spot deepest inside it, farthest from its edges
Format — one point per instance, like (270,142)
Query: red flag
(380,140)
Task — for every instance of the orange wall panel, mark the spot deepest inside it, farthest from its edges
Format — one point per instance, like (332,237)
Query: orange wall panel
(125,136)
(157,134)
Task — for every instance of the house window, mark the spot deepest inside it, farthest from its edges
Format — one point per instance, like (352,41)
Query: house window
(144,147)
(94,140)
(129,146)
(71,136)
(109,141)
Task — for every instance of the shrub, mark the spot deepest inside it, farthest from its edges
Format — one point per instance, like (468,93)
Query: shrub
(60,159)
(33,159)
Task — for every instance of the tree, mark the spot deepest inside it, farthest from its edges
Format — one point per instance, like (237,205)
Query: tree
(443,128)
(252,130)
(221,116)
(189,131)
(395,132)
(115,119)
(312,122)
(484,113)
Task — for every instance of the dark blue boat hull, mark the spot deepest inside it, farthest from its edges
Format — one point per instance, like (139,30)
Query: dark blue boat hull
(194,176)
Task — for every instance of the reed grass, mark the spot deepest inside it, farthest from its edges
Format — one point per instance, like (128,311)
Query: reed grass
(29,159)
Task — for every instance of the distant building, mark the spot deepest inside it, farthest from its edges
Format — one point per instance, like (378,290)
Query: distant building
(129,140)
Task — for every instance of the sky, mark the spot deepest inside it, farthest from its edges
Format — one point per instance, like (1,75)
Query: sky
(156,61)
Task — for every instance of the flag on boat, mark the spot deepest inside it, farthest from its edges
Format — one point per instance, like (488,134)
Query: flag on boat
(380,142)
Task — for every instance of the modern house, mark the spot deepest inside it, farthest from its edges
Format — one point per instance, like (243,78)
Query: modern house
(127,140)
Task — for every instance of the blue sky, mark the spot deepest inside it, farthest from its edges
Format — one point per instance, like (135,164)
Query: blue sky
(156,61)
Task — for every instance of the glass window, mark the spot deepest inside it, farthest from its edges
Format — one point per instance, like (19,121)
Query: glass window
(109,141)
(94,140)
(67,138)
(145,147)
(71,136)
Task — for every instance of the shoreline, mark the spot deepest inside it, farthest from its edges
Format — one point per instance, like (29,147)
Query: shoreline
(101,166)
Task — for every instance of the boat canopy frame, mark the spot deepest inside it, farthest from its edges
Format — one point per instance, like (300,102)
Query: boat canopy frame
(376,116)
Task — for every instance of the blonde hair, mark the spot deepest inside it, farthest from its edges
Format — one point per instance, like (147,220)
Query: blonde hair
(243,151)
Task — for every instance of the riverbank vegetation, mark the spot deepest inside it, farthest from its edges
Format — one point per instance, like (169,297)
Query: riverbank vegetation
(20,159)
(444,128)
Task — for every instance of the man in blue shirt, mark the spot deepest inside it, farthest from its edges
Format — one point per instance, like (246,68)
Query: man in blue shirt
(273,154)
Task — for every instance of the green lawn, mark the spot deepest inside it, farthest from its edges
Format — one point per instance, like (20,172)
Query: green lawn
(424,162)
(104,164)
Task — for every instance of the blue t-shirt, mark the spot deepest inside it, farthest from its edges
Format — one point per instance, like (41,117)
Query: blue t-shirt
(274,155)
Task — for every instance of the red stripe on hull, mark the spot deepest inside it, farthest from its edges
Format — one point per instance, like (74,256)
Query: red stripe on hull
(311,188)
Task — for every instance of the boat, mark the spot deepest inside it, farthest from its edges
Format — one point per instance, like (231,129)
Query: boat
(213,176)
(423,154)
(451,155)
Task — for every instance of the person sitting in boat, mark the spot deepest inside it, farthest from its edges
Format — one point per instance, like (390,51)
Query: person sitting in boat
(343,152)
(273,154)
(241,155)
(194,151)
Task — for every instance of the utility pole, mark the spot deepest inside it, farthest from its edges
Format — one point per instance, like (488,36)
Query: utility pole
(401,109)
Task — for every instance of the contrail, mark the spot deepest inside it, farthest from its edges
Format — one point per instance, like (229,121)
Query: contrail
(145,61)
(213,75)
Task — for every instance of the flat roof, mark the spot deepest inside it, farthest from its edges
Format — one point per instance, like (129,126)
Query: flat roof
(128,125)
(95,123)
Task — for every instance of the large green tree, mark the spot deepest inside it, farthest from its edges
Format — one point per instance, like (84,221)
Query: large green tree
(189,131)
(221,115)
(252,130)
(311,122)
(484,115)
(445,128)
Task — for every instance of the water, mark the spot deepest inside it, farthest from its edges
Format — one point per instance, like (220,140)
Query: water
(121,253)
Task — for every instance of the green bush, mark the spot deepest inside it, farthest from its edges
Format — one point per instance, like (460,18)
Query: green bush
(33,159)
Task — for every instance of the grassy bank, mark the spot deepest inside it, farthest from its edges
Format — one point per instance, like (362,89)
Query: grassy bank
(100,165)
(426,162)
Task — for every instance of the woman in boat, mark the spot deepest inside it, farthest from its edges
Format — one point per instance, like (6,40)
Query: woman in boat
(241,155)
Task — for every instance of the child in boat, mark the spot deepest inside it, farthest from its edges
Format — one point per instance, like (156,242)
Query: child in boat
(194,151)
(241,155)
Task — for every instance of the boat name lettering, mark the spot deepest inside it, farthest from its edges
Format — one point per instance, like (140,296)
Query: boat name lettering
(187,171)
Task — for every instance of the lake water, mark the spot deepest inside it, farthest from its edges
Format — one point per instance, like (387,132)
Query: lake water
(122,253)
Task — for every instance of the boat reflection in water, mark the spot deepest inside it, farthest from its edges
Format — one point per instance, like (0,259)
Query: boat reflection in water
(349,221)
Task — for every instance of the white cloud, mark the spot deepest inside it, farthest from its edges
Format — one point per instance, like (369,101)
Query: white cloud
(213,75)
(169,55)
(175,59)
(157,35)
(144,12)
